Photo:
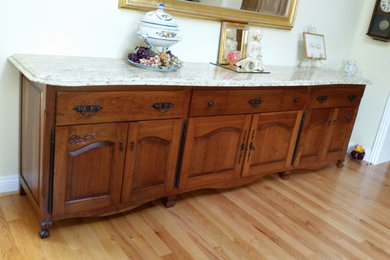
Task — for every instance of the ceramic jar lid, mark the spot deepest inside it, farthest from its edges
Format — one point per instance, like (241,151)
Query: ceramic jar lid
(159,17)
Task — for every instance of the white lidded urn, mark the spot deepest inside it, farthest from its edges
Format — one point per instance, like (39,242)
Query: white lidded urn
(159,29)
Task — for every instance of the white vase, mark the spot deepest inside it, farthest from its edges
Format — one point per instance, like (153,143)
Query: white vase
(350,68)
(159,29)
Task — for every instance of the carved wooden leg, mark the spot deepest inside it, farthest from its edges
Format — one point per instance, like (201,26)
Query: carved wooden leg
(45,229)
(285,175)
(340,164)
(169,201)
(21,191)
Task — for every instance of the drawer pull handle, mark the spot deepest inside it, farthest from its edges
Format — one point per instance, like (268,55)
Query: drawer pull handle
(296,100)
(88,110)
(211,103)
(255,102)
(251,146)
(322,99)
(352,97)
(131,146)
(162,107)
(243,147)
(75,139)
(121,146)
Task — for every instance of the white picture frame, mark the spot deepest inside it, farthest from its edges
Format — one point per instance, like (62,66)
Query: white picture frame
(314,46)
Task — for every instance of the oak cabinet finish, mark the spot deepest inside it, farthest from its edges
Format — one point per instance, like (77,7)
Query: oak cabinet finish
(271,143)
(233,102)
(93,151)
(31,127)
(115,106)
(325,137)
(313,141)
(88,167)
(329,97)
(151,158)
(214,150)
(343,122)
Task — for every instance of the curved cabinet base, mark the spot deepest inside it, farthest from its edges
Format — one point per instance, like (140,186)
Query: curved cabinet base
(98,151)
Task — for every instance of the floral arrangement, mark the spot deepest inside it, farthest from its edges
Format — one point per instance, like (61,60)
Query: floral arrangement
(358,153)
(145,56)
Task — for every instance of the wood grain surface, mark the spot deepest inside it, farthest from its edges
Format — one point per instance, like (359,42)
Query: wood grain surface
(326,214)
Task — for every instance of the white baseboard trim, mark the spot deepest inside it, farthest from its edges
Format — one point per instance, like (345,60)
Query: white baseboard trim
(368,152)
(9,183)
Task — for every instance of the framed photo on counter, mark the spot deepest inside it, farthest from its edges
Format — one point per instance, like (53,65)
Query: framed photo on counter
(314,45)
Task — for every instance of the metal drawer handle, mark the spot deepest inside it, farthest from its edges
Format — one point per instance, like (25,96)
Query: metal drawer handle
(352,97)
(75,139)
(211,103)
(88,110)
(163,107)
(322,99)
(296,100)
(255,102)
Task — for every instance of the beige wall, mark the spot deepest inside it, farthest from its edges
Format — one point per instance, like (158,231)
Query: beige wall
(99,28)
(373,58)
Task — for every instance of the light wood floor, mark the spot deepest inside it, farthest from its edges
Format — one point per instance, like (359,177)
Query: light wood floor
(327,214)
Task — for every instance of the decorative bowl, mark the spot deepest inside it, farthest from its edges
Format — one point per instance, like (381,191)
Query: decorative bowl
(159,29)
(233,56)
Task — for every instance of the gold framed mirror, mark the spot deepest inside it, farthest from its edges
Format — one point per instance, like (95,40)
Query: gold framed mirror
(267,13)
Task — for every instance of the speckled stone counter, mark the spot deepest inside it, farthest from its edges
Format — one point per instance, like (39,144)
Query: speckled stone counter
(87,71)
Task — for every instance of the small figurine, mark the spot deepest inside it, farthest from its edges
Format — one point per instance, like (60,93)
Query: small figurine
(250,64)
(350,68)
(254,45)
(253,61)
(358,153)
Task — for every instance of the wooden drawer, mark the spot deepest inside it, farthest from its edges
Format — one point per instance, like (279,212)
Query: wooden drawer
(257,101)
(97,107)
(229,102)
(208,102)
(335,97)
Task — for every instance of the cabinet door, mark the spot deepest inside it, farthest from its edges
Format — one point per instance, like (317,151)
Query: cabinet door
(88,167)
(342,127)
(214,150)
(271,142)
(152,152)
(314,141)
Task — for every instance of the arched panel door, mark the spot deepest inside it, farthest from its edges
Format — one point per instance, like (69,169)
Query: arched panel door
(88,167)
(214,150)
(341,133)
(314,140)
(271,142)
(151,158)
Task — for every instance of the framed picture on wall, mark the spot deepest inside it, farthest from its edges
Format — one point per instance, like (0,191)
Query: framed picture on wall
(314,46)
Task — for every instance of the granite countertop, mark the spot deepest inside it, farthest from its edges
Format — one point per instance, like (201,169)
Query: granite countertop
(87,71)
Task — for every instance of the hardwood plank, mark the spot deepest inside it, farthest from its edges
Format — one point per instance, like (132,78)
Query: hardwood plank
(8,249)
(254,229)
(104,235)
(169,218)
(147,233)
(178,251)
(230,243)
(326,214)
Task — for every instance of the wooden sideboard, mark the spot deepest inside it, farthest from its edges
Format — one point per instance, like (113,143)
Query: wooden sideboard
(99,150)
